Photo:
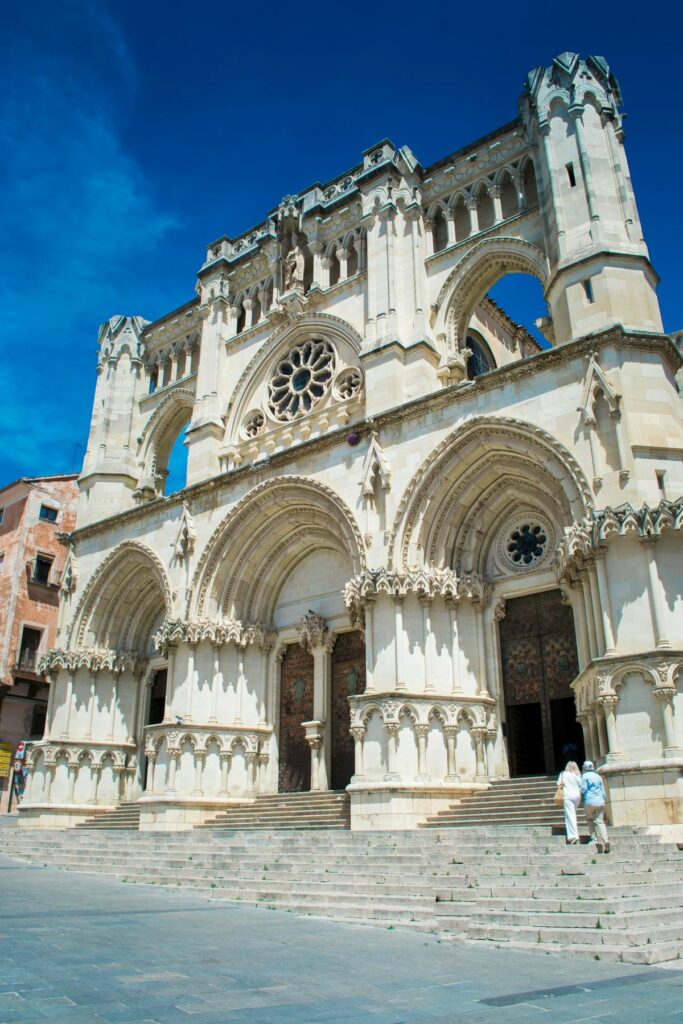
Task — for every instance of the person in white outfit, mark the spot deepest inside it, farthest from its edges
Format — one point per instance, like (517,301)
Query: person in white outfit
(570,779)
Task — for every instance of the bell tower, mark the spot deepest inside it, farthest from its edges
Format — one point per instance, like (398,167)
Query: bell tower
(600,269)
(109,473)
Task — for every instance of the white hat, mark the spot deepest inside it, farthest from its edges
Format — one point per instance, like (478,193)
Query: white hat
(587,766)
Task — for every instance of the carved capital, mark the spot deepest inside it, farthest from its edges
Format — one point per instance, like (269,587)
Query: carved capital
(312,630)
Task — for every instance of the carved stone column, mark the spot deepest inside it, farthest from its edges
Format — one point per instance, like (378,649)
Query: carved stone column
(655,595)
(68,701)
(451,734)
(392,729)
(49,775)
(592,718)
(483,688)
(113,705)
(422,732)
(666,694)
(399,642)
(605,605)
(95,775)
(71,781)
(471,205)
(427,643)
(263,760)
(358,733)
(225,759)
(91,705)
(479,735)
(151,768)
(173,755)
(199,760)
(587,742)
(215,676)
(314,637)
(590,615)
(609,703)
(495,192)
(192,655)
(170,672)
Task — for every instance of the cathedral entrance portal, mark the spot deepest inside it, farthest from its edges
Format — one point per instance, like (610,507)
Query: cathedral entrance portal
(296,707)
(348,677)
(538,649)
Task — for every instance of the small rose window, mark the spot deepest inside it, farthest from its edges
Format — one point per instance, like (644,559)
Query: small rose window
(301,379)
(526,543)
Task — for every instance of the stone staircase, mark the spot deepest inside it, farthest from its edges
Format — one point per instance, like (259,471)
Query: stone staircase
(521,801)
(287,812)
(126,816)
(492,885)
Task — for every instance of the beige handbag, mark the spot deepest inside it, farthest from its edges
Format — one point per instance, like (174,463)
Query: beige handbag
(559,793)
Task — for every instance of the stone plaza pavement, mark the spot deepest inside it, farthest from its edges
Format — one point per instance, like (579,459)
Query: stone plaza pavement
(81,949)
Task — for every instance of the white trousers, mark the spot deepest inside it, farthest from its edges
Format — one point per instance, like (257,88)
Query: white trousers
(570,824)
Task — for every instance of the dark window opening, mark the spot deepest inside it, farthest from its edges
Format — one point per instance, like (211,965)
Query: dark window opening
(157,701)
(481,361)
(661,481)
(588,291)
(41,570)
(571,175)
(38,720)
(2,514)
(48,514)
(28,651)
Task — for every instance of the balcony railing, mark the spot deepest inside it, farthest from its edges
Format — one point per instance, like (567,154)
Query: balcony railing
(28,661)
(43,575)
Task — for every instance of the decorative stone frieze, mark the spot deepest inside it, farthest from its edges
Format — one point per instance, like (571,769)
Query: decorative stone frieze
(425,583)
(95,659)
(478,711)
(586,539)
(228,738)
(218,632)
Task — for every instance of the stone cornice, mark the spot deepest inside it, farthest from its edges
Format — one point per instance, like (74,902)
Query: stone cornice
(586,539)
(95,659)
(218,632)
(446,397)
(426,583)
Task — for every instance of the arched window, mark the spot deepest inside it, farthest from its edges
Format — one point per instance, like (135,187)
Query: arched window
(440,231)
(481,361)
(175,475)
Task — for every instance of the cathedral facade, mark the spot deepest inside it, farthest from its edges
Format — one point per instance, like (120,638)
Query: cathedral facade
(418,550)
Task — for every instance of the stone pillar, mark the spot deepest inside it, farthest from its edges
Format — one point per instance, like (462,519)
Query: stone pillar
(451,733)
(556,203)
(112,705)
(199,758)
(471,205)
(151,767)
(263,683)
(248,305)
(315,742)
(358,733)
(666,694)
(597,612)
(343,257)
(91,705)
(584,162)
(655,595)
(263,760)
(450,226)
(594,734)
(216,671)
(316,249)
(605,606)
(71,781)
(482,690)
(95,774)
(52,680)
(603,738)
(421,733)
(399,642)
(392,738)
(589,614)
(609,703)
(192,649)
(369,646)
(456,686)
(429,235)
(68,701)
(225,759)
(494,191)
(173,756)
(170,671)
(478,735)
(239,688)
(427,643)
(48,782)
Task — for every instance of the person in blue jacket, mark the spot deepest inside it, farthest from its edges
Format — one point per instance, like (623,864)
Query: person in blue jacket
(593,793)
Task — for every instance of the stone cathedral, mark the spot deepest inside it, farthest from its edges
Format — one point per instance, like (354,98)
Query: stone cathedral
(418,550)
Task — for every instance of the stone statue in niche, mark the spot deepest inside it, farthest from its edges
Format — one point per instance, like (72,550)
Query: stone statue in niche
(294,267)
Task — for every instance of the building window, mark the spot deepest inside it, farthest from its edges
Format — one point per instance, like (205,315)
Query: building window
(38,718)
(588,291)
(2,560)
(526,544)
(571,176)
(28,652)
(481,361)
(41,570)
(661,482)
(2,514)
(48,514)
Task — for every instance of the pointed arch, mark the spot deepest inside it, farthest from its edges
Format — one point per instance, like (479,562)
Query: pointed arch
(125,597)
(478,270)
(462,491)
(251,552)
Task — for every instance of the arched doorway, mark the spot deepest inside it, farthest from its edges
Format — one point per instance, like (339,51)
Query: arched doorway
(539,662)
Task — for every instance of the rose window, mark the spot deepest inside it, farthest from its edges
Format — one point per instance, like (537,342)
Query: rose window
(526,544)
(301,379)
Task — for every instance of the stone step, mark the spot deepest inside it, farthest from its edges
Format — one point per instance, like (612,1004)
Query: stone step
(645,920)
(653,953)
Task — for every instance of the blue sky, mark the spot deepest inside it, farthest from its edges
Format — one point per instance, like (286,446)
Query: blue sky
(136,133)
